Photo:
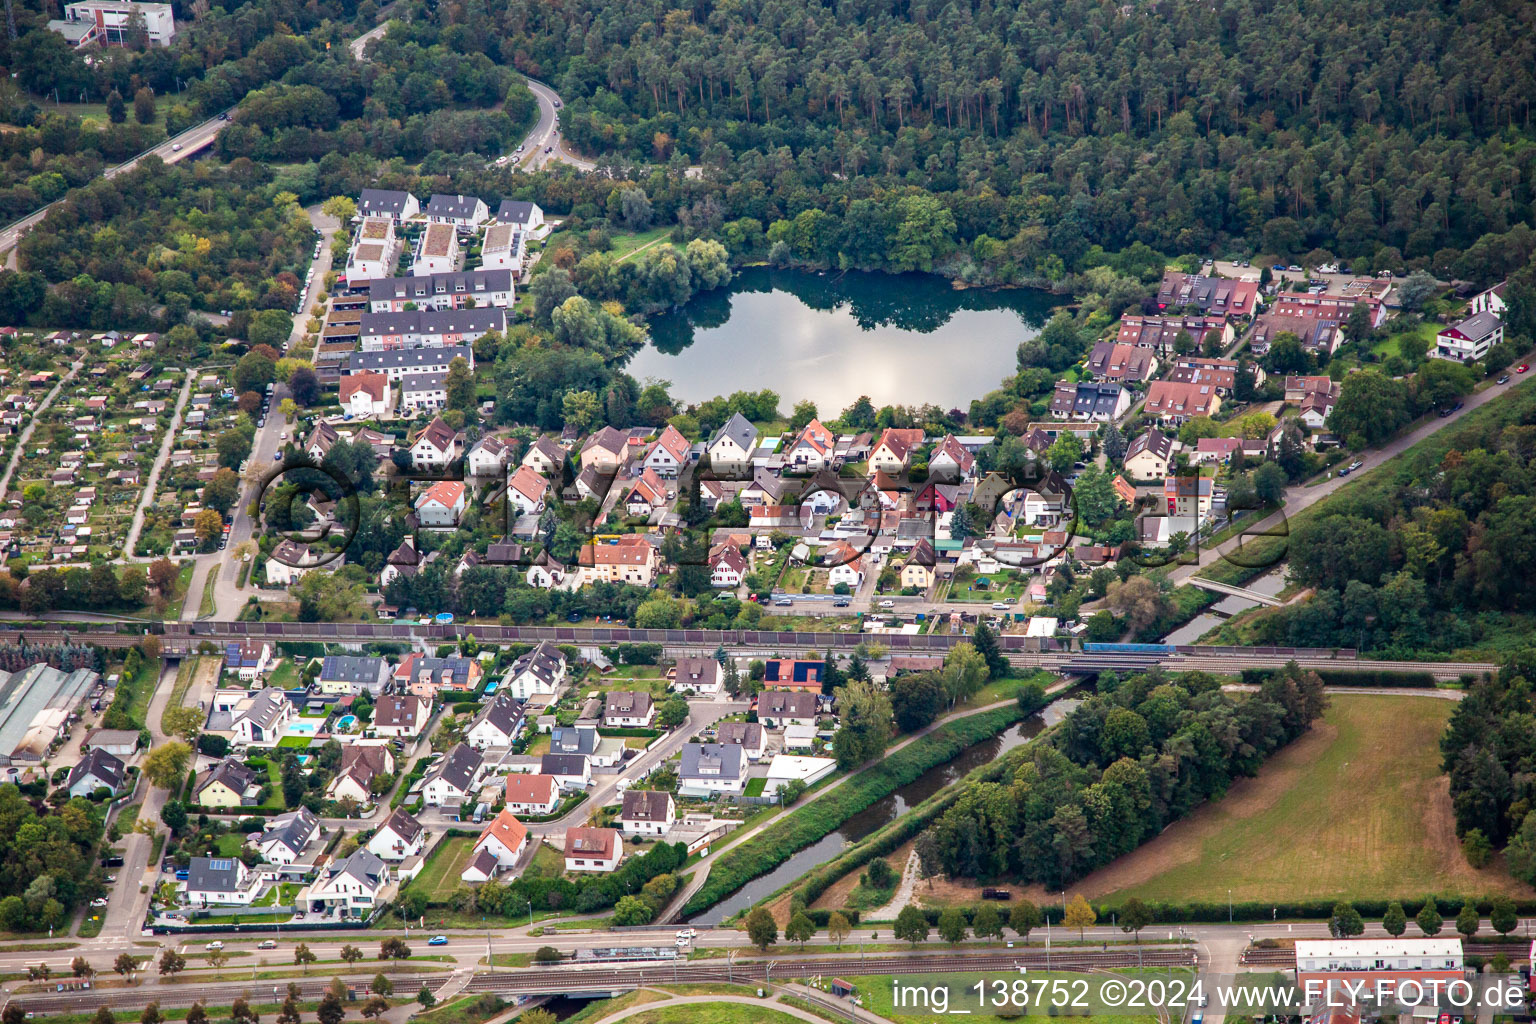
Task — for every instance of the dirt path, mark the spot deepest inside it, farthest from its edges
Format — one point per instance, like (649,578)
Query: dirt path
(910,875)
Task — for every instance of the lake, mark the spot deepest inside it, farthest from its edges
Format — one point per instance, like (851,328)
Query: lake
(901,339)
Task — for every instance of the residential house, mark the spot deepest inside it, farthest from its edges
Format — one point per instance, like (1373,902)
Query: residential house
(96,770)
(647,494)
(628,709)
(227,784)
(425,676)
(1317,407)
(605,451)
(247,659)
(582,739)
(320,440)
(1189,494)
(628,559)
(1298,388)
(436,446)
(291,561)
(344,674)
(647,813)
(778,708)
(365,395)
(466,289)
(1174,402)
(1161,333)
(593,849)
(262,718)
(544,457)
(1315,334)
(466,213)
(711,768)
(1469,339)
(669,454)
(219,881)
(503,249)
(730,450)
(348,888)
(570,771)
(1328,307)
(1095,402)
(400,836)
(727,566)
(794,674)
(918,570)
(423,392)
(1214,450)
(766,488)
(521,214)
(1120,362)
(488,457)
(398,362)
(950,461)
(387,205)
(892,453)
(747,735)
(441,505)
(373,252)
(846,565)
(535,795)
(453,779)
(1213,296)
(1220,374)
(504,838)
(437,252)
(362,767)
(545,572)
(498,723)
(284,838)
(813,449)
(401,716)
(1490,301)
(540,671)
(699,675)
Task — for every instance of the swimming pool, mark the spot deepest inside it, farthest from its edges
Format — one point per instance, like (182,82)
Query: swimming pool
(346,722)
(302,728)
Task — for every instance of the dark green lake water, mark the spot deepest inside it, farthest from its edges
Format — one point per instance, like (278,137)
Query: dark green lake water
(831,337)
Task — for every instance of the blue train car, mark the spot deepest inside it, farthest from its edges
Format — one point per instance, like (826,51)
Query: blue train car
(1129,649)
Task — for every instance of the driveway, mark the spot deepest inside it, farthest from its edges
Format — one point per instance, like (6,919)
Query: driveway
(168,443)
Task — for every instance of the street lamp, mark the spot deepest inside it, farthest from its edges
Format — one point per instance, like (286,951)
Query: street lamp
(730,964)
(1229,906)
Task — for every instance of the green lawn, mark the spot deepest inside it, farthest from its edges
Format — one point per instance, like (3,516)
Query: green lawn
(756,786)
(1363,794)
(547,862)
(440,876)
(230,844)
(299,742)
(877,995)
(625,245)
(96,111)
(285,676)
(715,1013)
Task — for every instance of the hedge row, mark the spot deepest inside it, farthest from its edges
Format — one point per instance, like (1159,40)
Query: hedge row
(800,828)
(648,734)
(1355,677)
(1254,910)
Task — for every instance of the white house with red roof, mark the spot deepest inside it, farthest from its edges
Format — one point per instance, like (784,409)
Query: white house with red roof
(893,452)
(437,445)
(488,458)
(365,394)
(812,449)
(593,849)
(526,490)
(950,461)
(532,794)
(441,504)
(505,837)
(847,564)
(727,567)
(669,454)
(647,494)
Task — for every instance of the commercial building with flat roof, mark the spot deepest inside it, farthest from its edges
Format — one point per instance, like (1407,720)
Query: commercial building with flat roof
(35,706)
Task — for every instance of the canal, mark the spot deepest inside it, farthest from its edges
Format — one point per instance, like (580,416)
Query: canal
(884,811)
(901,339)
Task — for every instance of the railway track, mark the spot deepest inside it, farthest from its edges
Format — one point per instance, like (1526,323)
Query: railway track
(612,977)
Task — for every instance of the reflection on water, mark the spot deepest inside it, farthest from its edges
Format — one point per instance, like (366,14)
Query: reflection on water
(884,811)
(901,339)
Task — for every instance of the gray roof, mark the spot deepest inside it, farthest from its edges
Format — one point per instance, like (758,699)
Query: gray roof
(711,760)
(460,282)
(544,662)
(232,773)
(408,358)
(484,862)
(563,764)
(362,865)
(100,765)
(378,200)
(352,668)
(514,211)
(294,830)
(25,694)
(451,206)
(265,707)
(786,703)
(696,672)
(739,429)
(743,734)
(1480,326)
(571,740)
(418,382)
(435,321)
(403,825)
(503,712)
(458,768)
(213,874)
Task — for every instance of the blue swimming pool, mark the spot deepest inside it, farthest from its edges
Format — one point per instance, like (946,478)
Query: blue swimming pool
(303,728)
(346,722)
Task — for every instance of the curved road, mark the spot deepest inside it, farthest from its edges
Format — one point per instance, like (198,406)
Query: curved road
(546,134)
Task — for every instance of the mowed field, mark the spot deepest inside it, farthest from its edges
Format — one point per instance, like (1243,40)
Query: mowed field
(1355,808)
(440,875)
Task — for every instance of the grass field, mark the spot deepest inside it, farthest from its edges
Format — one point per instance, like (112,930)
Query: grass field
(877,995)
(192,670)
(440,877)
(715,1013)
(1355,808)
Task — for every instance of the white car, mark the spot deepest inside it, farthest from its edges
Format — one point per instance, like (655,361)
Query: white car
(100,901)
(214,945)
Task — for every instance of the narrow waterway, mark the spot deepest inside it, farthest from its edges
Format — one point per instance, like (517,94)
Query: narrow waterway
(886,810)
(1270,584)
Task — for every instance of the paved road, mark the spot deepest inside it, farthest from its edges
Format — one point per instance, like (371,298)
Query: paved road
(546,134)
(166,444)
(1300,497)
(26,431)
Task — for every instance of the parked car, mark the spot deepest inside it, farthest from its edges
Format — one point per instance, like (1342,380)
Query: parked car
(1522,367)
(100,901)
(1504,379)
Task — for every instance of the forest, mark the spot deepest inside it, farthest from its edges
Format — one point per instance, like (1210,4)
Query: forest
(1138,755)
(1489,751)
